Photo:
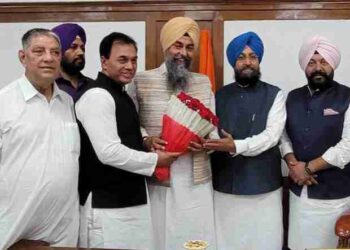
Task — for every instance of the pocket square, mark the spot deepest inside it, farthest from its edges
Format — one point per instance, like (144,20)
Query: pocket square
(330,111)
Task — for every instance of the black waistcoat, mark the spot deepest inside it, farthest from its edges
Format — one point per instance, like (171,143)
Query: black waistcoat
(112,187)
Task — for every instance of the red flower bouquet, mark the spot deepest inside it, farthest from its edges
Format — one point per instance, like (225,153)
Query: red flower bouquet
(186,119)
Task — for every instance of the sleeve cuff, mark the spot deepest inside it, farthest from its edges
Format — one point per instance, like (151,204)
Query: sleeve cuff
(286,148)
(332,158)
(241,146)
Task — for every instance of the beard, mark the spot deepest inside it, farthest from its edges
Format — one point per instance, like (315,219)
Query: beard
(178,74)
(73,68)
(320,80)
(247,76)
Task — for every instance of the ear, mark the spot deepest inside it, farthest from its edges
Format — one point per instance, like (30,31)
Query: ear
(22,57)
(104,62)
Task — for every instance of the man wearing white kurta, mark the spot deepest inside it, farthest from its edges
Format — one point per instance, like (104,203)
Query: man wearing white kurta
(316,147)
(116,211)
(39,142)
(182,209)
(247,172)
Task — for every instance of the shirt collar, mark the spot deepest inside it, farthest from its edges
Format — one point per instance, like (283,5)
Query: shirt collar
(162,69)
(29,91)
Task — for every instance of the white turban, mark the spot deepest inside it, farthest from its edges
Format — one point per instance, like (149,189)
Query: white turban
(324,47)
(177,27)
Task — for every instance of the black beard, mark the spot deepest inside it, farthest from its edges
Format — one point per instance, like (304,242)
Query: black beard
(178,74)
(321,84)
(72,68)
(247,80)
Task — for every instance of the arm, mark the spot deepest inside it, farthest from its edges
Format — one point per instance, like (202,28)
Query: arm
(255,145)
(296,168)
(96,111)
(337,155)
(150,143)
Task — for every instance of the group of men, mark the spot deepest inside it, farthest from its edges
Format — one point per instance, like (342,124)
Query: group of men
(75,152)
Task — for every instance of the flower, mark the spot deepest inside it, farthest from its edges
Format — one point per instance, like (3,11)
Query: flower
(186,119)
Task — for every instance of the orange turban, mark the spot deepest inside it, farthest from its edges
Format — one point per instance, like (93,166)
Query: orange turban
(177,27)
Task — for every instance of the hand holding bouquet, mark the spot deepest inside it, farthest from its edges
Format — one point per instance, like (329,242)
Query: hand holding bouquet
(186,119)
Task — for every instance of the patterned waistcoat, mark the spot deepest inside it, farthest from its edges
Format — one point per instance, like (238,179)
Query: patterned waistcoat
(153,93)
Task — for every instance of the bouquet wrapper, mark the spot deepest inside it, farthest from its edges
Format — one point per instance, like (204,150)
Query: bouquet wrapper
(186,119)
(178,138)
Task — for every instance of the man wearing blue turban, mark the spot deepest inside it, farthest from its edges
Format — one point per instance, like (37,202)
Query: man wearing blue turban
(247,165)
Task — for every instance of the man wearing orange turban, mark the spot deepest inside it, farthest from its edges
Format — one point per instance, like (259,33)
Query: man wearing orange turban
(316,147)
(182,208)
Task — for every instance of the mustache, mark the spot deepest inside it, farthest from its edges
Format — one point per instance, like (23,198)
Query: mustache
(82,58)
(318,73)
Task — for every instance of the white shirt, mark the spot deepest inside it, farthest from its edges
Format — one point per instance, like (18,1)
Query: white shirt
(257,144)
(40,145)
(337,156)
(96,111)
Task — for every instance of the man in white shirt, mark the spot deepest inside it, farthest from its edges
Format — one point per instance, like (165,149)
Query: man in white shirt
(39,143)
(247,173)
(116,211)
(316,148)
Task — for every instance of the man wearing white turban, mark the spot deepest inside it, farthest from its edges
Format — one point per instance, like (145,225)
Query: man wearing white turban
(316,148)
(182,208)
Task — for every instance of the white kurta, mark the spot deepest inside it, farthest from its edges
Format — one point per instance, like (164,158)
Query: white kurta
(183,211)
(253,221)
(249,222)
(40,145)
(312,221)
(129,227)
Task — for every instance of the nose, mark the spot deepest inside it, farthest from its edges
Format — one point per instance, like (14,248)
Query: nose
(183,51)
(247,61)
(318,66)
(129,65)
(80,51)
(48,56)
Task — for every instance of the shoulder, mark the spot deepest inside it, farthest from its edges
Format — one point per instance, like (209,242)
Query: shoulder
(343,87)
(224,90)
(297,91)
(271,87)
(9,91)
(9,88)
(95,93)
(148,73)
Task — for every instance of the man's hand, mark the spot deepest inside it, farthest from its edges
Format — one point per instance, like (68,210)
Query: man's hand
(298,174)
(290,160)
(153,143)
(226,143)
(22,244)
(166,158)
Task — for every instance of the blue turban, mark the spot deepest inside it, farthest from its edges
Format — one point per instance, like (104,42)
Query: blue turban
(67,33)
(237,45)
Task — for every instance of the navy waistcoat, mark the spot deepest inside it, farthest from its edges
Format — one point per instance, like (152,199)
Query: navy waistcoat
(314,124)
(243,113)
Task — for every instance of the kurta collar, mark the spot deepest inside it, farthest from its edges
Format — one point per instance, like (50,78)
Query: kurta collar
(101,77)
(29,91)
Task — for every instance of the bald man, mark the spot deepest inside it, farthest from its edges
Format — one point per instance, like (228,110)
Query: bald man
(182,208)
(316,147)
(247,167)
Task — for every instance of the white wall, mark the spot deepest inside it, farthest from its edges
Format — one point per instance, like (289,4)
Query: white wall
(282,41)
(10,43)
